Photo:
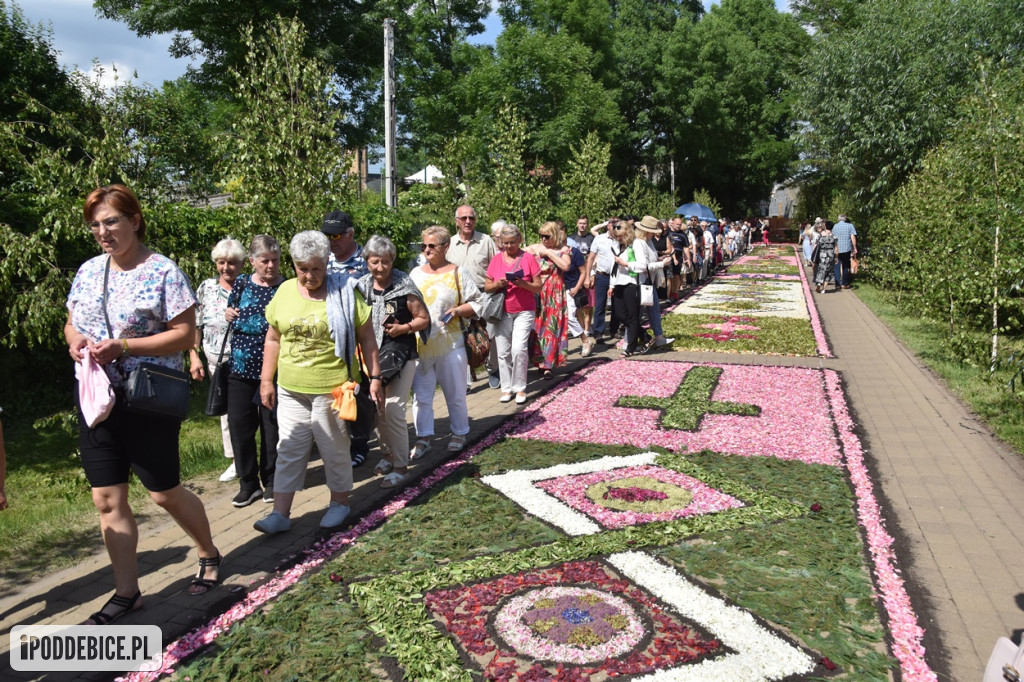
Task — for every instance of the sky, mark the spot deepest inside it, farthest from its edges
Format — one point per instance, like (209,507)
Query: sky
(80,36)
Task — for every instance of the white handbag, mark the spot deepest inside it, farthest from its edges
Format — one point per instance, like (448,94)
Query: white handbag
(1006,664)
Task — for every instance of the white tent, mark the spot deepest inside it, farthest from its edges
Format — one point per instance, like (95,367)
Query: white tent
(427,176)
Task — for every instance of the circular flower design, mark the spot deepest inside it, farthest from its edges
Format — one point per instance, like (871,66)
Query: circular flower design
(576,625)
(639,494)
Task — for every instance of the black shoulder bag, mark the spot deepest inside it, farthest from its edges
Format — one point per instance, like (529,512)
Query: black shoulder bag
(150,388)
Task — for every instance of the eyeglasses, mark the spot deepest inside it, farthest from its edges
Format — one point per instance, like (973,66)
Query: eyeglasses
(108,223)
(465,217)
(431,247)
(336,237)
(545,236)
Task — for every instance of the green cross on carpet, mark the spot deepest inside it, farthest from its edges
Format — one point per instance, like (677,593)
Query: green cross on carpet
(685,409)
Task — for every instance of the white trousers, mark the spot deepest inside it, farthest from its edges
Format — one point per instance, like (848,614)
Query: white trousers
(448,371)
(303,418)
(575,329)
(392,427)
(512,339)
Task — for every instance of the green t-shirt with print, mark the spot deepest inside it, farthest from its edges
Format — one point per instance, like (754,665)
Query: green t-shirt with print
(307,363)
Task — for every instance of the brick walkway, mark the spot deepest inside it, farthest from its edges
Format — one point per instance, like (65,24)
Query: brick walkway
(951,489)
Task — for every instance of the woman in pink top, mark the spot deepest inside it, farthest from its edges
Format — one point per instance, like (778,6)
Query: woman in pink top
(515,272)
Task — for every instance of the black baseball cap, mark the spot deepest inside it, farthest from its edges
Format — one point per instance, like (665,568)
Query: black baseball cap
(336,222)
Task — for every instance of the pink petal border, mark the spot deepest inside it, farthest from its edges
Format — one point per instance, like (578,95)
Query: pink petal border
(903,626)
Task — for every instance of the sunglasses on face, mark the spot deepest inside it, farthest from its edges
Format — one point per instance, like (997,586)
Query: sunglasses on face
(465,217)
(336,237)
(545,236)
(431,247)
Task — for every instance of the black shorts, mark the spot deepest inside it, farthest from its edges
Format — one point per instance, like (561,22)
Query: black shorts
(677,268)
(126,442)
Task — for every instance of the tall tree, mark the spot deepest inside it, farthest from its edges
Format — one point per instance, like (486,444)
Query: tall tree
(346,35)
(548,79)
(284,160)
(586,187)
(734,71)
(878,96)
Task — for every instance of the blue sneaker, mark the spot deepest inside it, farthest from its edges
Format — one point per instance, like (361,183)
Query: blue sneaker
(274,522)
(493,380)
(335,516)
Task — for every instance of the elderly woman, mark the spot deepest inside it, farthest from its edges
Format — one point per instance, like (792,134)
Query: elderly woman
(249,298)
(450,294)
(551,325)
(314,323)
(131,305)
(650,269)
(398,315)
(824,255)
(211,327)
(516,273)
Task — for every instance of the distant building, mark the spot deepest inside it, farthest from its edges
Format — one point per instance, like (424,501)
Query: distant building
(782,201)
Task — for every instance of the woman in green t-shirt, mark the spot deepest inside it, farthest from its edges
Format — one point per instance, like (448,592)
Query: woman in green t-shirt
(315,323)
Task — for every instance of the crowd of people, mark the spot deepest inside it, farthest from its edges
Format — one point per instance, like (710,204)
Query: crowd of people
(831,250)
(349,335)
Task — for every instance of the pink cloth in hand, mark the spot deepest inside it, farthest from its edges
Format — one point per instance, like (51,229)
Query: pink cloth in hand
(95,395)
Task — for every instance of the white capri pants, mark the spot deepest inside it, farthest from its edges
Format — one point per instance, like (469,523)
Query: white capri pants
(392,428)
(575,329)
(448,371)
(512,339)
(303,418)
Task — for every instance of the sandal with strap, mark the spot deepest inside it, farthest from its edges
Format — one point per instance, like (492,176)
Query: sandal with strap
(358,459)
(392,480)
(457,443)
(124,605)
(383,468)
(201,584)
(420,449)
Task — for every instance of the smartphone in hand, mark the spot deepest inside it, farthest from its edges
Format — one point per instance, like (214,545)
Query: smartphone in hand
(446,318)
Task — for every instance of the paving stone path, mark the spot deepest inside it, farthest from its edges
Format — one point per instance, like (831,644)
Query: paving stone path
(953,494)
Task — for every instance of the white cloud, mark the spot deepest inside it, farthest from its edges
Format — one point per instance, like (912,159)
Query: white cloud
(80,37)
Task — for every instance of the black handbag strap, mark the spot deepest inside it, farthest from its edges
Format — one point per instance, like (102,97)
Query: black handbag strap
(106,277)
(223,345)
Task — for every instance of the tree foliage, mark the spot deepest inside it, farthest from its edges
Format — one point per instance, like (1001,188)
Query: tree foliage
(880,94)
(283,159)
(950,243)
(586,187)
(508,187)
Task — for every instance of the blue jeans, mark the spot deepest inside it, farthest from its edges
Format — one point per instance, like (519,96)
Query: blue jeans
(654,313)
(601,282)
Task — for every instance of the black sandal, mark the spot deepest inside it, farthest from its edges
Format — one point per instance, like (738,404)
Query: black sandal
(125,604)
(201,584)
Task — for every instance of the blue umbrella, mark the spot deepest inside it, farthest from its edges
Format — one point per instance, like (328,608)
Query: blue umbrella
(700,210)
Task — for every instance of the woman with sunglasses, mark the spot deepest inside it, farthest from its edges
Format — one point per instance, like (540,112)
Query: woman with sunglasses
(449,294)
(551,327)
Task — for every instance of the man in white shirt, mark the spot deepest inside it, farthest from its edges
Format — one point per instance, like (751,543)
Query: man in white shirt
(473,251)
(600,263)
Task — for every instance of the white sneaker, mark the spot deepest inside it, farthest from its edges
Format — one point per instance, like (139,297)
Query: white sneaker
(335,516)
(229,473)
(664,341)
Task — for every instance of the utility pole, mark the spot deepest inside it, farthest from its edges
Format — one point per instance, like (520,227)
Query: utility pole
(672,174)
(389,114)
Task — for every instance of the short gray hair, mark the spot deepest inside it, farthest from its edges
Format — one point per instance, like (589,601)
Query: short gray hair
(263,243)
(510,230)
(308,246)
(496,227)
(229,249)
(379,247)
(842,217)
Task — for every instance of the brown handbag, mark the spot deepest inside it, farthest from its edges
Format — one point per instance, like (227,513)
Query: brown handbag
(474,334)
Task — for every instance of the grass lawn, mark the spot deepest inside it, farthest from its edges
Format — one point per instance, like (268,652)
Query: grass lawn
(988,395)
(51,521)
